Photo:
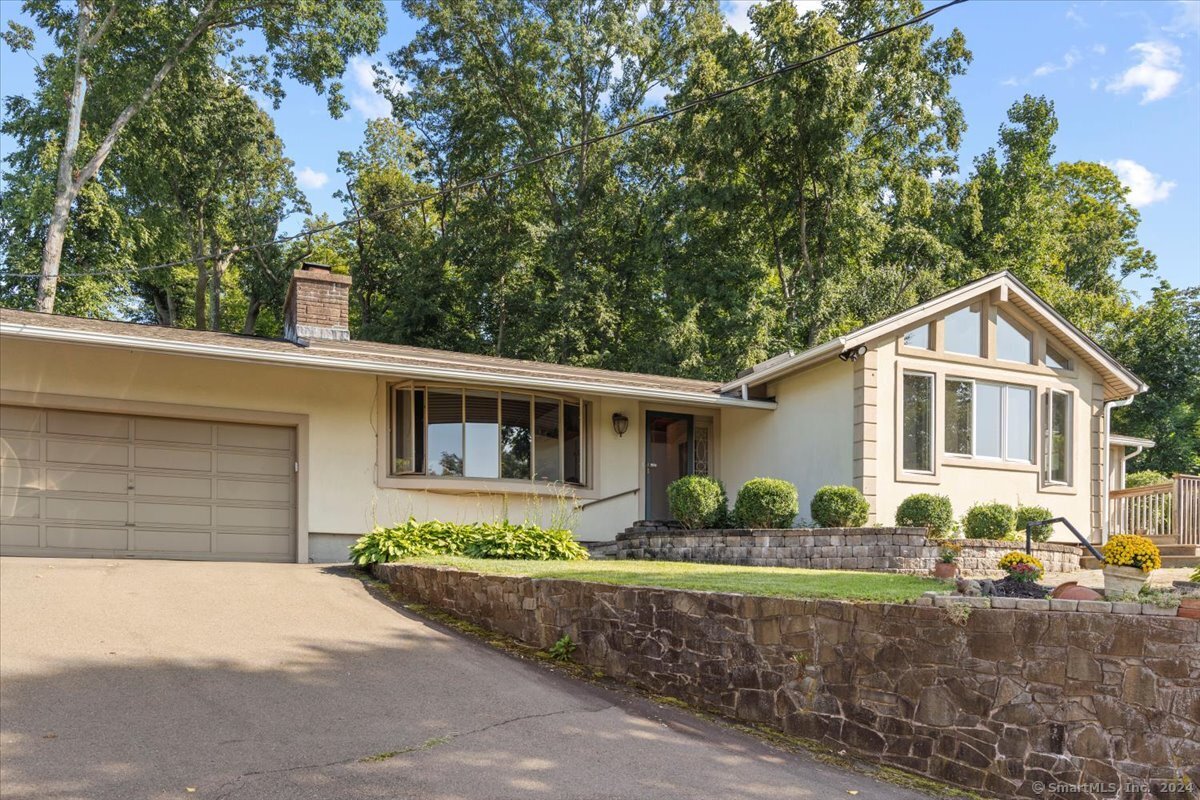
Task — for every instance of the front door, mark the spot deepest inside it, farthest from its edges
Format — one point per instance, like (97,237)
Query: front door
(669,454)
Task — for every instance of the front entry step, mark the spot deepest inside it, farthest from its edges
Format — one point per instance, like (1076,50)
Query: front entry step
(1174,556)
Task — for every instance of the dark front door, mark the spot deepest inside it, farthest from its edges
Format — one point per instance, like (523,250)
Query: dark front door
(668,458)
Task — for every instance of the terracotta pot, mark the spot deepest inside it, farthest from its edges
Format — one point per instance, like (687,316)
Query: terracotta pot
(1071,590)
(945,570)
(1190,607)
(1124,579)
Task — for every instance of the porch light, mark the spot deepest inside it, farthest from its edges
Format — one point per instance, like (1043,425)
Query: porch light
(620,423)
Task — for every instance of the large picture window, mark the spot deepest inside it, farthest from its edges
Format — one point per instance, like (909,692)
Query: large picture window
(471,433)
(918,422)
(989,420)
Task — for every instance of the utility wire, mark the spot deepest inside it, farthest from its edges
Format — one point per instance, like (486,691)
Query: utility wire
(500,173)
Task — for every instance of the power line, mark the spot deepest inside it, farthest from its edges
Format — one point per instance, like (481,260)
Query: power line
(500,173)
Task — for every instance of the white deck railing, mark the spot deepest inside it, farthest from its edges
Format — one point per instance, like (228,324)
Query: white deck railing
(1169,509)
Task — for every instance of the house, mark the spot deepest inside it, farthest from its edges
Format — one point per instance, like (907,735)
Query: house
(133,440)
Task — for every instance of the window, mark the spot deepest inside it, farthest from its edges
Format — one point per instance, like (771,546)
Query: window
(917,446)
(989,420)
(964,329)
(1055,359)
(917,338)
(1013,343)
(1058,437)
(452,432)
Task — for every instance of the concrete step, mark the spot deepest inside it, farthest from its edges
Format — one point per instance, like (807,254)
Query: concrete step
(1168,562)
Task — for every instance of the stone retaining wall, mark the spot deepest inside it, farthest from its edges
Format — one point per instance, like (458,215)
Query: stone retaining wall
(875,549)
(1003,701)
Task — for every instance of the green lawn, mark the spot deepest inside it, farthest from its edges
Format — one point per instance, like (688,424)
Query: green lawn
(771,581)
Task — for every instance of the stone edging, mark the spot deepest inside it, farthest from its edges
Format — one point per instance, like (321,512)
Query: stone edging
(1048,604)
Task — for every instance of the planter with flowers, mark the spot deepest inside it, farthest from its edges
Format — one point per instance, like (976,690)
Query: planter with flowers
(1128,562)
(1021,567)
(947,566)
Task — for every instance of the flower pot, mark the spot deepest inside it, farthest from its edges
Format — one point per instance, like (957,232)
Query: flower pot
(945,570)
(1190,607)
(1124,579)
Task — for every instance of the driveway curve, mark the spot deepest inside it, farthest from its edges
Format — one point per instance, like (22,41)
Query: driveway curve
(160,679)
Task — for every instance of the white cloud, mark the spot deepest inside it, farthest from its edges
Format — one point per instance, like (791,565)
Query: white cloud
(1145,187)
(1156,74)
(1076,17)
(1099,49)
(309,178)
(1069,59)
(364,98)
(1186,20)
(737,12)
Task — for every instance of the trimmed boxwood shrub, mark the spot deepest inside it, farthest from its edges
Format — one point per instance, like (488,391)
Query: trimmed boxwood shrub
(923,510)
(1028,514)
(696,501)
(839,507)
(766,503)
(477,540)
(989,521)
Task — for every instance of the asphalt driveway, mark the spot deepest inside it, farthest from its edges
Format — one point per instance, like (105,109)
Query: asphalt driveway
(159,679)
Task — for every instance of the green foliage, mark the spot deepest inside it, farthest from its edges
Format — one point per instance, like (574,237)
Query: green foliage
(923,510)
(1146,477)
(697,501)
(1027,514)
(766,503)
(1195,576)
(989,521)
(839,507)
(562,649)
(414,539)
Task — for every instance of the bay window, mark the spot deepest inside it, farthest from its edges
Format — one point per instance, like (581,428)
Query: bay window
(474,433)
(917,444)
(988,420)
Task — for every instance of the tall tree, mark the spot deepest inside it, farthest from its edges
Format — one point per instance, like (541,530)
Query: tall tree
(126,49)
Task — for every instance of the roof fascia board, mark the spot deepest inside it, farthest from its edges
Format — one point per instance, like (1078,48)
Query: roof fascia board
(801,359)
(227,353)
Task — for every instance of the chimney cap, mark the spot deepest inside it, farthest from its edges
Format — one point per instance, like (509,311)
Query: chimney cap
(312,266)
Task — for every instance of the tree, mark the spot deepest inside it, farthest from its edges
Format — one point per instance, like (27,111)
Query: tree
(126,49)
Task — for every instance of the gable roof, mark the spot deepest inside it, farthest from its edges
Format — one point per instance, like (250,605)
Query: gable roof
(400,361)
(1118,381)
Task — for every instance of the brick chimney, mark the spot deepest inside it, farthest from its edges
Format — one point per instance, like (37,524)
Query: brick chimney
(317,306)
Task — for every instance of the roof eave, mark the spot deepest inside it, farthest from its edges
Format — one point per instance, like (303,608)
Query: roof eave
(802,359)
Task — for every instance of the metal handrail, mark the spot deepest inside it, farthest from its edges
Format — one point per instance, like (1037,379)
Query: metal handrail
(589,503)
(1029,535)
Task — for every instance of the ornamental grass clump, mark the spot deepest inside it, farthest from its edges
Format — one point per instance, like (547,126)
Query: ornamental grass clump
(1128,550)
(1022,567)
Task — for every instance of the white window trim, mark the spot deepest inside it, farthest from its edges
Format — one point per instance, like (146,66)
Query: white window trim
(933,417)
(1048,438)
(1003,458)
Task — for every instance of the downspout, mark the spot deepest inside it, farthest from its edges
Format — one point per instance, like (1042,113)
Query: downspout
(1106,458)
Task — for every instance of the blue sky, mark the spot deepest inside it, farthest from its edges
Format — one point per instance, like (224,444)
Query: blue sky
(1124,78)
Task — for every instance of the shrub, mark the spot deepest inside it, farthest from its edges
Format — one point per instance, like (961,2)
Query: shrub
(989,521)
(1127,550)
(933,511)
(478,540)
(766,503)
(1147,477)
(839,507)
(696,501)
(1028,514)
(1195,576)
(1021,566)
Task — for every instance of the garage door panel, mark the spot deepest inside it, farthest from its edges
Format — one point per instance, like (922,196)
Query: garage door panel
(250,544)
(19,535)
(74,508)
(176,431)
(257,436)
(87,453)
(84,423)
(86,481)
(111,485)
(257,491)
(251,464)
(13,478)
(81,538)
(173,486)
(167,541)
(15,418)
(172,514)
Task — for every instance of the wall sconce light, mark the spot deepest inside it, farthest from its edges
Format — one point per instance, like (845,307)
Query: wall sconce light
(620,423)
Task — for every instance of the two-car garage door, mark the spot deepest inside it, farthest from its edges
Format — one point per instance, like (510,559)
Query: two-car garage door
(77,483)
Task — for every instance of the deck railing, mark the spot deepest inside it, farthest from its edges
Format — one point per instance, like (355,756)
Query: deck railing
(1169,509)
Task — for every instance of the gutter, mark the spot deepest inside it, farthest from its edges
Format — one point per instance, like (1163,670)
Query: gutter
(312,361)
(1106,458)
(742,384)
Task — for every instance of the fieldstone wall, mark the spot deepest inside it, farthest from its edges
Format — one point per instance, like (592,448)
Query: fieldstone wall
(904,550)
(1009,702)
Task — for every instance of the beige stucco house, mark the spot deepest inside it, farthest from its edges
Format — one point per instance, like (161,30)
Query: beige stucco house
(131,440)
